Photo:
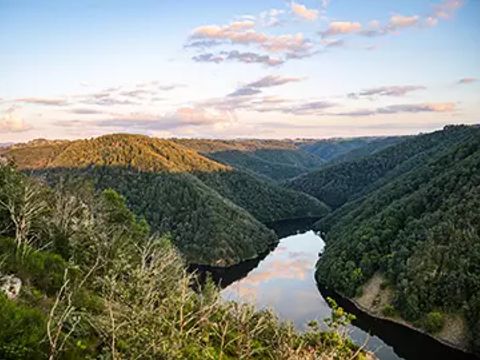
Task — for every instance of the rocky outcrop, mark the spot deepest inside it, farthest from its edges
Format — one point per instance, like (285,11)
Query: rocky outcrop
(10,285)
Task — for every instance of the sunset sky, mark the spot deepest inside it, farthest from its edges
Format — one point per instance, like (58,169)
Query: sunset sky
(235,69)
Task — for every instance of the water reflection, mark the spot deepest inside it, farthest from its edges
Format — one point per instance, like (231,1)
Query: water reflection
(283,280)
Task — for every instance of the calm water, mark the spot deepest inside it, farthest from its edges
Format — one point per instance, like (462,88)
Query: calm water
(283,280)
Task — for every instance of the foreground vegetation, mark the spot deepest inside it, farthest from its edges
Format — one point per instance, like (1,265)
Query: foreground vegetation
(98,285)
(420,229)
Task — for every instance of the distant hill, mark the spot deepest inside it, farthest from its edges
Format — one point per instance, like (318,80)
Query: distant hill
(274,159)
(280,160)
(212,209)
(341,182)
(332,149)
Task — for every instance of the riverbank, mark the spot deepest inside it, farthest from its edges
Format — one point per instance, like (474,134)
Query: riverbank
(376,297)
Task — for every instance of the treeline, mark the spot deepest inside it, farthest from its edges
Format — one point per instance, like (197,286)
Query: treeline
(96,284)
(420,229)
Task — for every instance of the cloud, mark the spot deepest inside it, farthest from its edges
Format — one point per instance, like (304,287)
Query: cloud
(43,101)
(415,108)
(243,32)
(446,9)
(341,28)
(202,44)
(245,91)
(401,21)
(11,122)
(467,80)
(387,91)
(208,57)
(253,88)
(303,12)
(270,17)
(128,95)
(235,55)
(182,117)
(404,108)
(85,111)
(331,43)
(307,108)
(250,57)
(272,80)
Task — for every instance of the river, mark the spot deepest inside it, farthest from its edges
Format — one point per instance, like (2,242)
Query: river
(283,280)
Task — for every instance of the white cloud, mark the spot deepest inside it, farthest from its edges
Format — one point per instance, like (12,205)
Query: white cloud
(243,32)
(467,80)
(341,28)
(303,12)
(12,122)
(444,107)
(395,90)
(401,21)
(272,80)
(43,101)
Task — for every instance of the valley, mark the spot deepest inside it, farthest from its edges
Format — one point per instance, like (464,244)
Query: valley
(400,209)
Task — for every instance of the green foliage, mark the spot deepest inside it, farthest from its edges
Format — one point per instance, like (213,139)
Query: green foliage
(22,331)
(42,270)
(265,201)
(126,294)
(275,164)
(337,184)
(388,310)
(433,322)
(421,229)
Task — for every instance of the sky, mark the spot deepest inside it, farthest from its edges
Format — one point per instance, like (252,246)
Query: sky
(237,69)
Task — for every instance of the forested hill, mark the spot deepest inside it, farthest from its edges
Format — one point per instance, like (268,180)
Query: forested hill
(213,211)
(135,151)
(419,232)
(338,183)
(330,150)
(274,159)
(285,159)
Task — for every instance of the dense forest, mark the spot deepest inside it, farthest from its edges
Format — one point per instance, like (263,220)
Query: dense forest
(285,159)
(82,277)
(213,212)
(418,226)
(341,182)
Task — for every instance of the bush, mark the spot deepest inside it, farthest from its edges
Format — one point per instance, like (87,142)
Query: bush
(388,310)
(41,269)
(22,331)
(433,322)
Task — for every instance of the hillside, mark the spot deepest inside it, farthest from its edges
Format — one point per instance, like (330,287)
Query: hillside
(82,278)
(274,159)
(419,231)
(207,206)
(338,183)
(330,149)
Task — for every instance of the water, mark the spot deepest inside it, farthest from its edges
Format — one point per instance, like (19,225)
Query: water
(283,280)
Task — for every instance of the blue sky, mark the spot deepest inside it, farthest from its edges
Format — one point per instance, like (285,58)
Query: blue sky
(270,69)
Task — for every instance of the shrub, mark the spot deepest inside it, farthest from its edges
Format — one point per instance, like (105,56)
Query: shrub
(388,310)
(433,321)
(21,332)
(41,269)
